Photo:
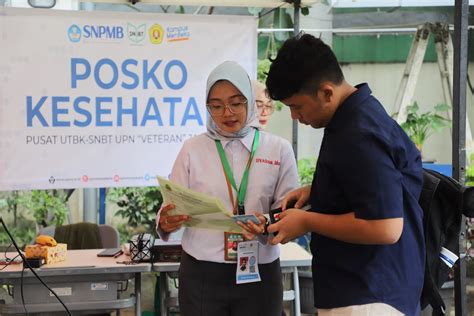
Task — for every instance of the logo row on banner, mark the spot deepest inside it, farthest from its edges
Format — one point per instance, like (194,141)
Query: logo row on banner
(134,34)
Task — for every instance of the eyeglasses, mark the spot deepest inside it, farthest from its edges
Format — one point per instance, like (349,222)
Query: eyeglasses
(268,107)
(235,106)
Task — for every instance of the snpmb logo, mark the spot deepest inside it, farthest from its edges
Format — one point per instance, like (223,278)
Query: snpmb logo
(74,33)
(103,32)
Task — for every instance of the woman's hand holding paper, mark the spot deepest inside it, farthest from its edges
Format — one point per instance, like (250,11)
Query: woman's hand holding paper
(170,223)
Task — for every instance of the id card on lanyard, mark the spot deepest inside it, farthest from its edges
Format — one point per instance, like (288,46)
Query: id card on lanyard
(247,262)
(231,240)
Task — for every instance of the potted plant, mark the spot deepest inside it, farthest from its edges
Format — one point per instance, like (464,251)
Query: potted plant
(421,126)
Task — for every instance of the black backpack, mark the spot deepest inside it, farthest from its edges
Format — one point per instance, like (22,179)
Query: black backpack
(444,201)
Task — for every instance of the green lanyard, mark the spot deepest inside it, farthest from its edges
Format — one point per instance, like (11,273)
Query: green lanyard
(245,177)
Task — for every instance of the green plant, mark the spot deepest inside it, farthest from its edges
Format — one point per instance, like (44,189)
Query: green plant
(19,224)
(125,232)
(22,236)
(49,207)
(11,203)
(262,70)
(137,205)
(421,126)
(306,168)
(470,172)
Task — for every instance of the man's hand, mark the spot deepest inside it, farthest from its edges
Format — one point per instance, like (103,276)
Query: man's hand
(170,223)
(292,223)
(300,195)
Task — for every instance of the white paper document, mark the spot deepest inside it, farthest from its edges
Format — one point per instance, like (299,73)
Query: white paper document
(205,211)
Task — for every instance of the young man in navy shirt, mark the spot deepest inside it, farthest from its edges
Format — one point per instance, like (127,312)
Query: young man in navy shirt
(366,223)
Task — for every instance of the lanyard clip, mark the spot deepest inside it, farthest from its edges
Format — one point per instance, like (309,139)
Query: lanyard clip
(241,209)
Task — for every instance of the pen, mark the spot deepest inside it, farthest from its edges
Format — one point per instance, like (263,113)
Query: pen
(118,254)
(127,262)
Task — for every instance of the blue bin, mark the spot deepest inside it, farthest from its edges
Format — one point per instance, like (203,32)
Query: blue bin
(446,169)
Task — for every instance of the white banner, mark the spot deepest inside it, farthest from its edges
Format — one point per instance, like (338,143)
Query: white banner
(92,99)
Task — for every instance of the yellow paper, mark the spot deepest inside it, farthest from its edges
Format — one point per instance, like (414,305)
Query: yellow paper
(206,211)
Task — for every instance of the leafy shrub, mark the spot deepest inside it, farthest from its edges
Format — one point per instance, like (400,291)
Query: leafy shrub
(306,168)
(49,207)
(137,205)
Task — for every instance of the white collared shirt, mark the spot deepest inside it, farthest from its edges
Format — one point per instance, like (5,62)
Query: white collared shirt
(273,173)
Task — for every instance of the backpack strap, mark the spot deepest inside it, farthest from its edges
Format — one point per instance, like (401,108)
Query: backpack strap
(430,184)
(430,289)
(434,298)
(468,202)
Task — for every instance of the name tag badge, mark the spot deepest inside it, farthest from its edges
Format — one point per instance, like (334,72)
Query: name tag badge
(247,262)
(231,240)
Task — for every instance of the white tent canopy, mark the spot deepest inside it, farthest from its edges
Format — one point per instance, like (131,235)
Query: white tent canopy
(392,3)
(221,3)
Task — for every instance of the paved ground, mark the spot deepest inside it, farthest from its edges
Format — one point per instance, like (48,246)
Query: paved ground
(148,290)
(448,295)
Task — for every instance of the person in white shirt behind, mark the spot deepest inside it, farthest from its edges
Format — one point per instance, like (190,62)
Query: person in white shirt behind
(265,105)
(232,152)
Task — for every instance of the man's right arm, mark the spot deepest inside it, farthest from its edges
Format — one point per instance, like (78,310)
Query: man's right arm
(343,227)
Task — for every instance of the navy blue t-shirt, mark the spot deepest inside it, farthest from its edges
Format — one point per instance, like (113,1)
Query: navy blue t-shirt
(368,165)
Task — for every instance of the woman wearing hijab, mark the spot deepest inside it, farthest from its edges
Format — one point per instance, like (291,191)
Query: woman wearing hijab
(232,151)
(265,105)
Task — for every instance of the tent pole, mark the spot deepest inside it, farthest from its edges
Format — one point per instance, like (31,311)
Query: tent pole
(296,31)
(459,138)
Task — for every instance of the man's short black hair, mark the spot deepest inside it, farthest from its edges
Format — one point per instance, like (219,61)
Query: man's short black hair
(302,64)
